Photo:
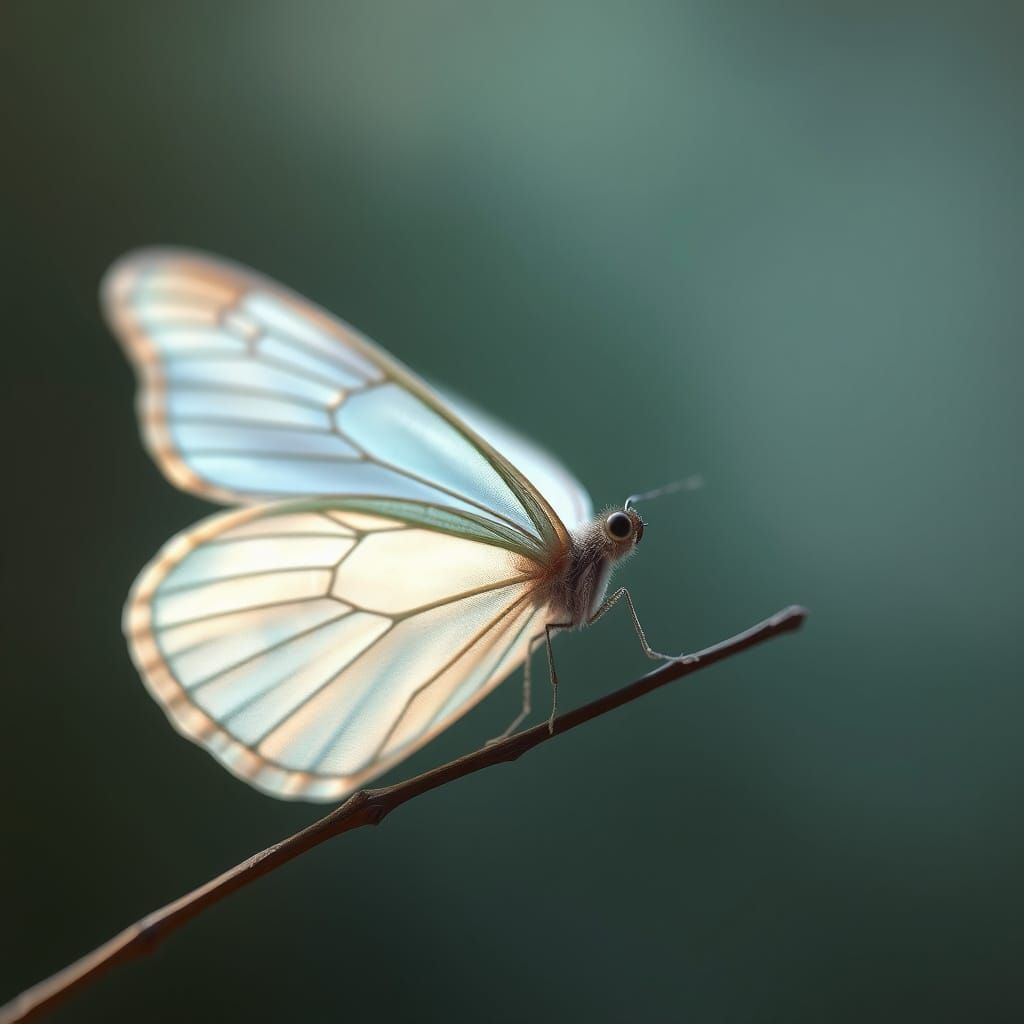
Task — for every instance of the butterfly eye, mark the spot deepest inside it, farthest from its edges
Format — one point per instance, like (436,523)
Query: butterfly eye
(619,525)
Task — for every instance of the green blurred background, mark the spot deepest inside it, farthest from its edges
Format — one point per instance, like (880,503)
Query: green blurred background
(777,244)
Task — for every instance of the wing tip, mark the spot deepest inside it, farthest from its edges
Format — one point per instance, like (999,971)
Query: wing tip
(125,269)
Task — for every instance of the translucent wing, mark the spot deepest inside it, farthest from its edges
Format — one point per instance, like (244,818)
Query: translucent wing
(250,393)
(309,645)
(566,495)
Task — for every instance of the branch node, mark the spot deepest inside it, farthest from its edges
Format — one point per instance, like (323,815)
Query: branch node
(376,812)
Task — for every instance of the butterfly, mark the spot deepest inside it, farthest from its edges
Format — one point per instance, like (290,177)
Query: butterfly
(394,552)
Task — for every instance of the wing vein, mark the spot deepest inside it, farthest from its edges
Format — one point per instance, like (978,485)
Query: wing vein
(349,664)
(316,760)
(184,588)
(210,387)
(278,645)
(419,689)
(283,335)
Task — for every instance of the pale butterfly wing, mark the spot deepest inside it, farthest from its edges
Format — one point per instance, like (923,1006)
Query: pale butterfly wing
(250,393)
(310,645)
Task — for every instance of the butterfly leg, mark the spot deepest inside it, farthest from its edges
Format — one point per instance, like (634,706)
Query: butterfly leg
(548,630)
(611,602)
(527,690)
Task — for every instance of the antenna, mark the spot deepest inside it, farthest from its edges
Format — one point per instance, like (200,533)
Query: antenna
(690,483)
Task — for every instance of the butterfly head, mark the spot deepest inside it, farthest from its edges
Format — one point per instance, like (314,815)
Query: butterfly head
(623,529)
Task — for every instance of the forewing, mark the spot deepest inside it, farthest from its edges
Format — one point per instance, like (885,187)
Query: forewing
(250,393)
(311,645)
(566,495)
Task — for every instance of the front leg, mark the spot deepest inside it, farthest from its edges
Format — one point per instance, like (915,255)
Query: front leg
(548,630)
(611,602)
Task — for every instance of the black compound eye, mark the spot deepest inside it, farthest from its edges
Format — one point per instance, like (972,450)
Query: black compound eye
(619,525)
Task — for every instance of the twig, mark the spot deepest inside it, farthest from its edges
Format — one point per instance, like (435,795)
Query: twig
(367,807)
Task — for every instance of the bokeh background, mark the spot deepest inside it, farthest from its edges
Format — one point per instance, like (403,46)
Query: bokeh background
(777,244)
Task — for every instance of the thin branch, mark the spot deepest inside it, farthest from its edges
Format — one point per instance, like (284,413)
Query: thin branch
(367,807)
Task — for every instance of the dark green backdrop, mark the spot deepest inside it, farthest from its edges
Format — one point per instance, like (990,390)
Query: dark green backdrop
(780,245)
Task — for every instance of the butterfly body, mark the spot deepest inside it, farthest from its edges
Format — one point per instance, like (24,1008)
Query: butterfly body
(580,577)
